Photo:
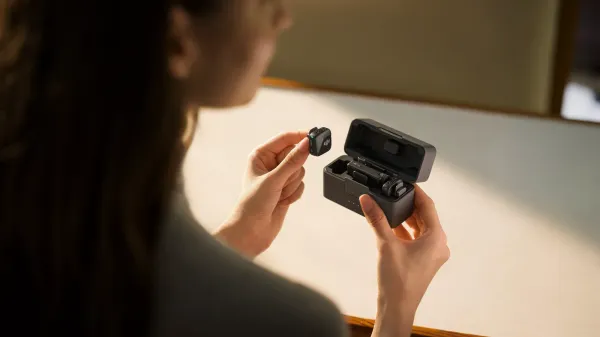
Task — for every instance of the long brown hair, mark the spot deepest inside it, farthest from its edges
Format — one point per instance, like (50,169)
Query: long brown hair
(90,150)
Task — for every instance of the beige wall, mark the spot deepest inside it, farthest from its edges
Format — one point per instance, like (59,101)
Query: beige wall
(495,53)
(518,199)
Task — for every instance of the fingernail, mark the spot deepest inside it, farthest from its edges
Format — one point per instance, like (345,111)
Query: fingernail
(303,145)
(366,202)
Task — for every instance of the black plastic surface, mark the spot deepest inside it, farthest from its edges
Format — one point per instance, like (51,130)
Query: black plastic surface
(411,158)
(319,141)
(386,149)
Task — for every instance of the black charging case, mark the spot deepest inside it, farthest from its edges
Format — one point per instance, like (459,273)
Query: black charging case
(387,150)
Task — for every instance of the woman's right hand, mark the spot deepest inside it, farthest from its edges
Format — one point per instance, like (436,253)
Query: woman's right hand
(408,261)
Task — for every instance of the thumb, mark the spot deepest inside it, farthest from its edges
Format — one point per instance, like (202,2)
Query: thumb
(292,162)
(375,217)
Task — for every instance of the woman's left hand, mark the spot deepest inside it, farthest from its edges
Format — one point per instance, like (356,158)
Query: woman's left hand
(273,182)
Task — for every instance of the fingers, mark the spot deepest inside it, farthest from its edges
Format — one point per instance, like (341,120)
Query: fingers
(281,156)
(296,195)
(294,182)
(375,217)
(292,162)
(415,222)
(404,232)
(426,211)
(421,198)
(278,143)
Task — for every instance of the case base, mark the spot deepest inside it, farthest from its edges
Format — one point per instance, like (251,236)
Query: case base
(341,188)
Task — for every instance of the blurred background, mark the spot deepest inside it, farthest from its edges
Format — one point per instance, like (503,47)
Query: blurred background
(582,92)
(538,57)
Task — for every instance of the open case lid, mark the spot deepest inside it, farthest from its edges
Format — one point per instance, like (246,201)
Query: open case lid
(410,158)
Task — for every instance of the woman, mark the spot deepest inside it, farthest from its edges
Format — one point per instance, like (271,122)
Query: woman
(96,238)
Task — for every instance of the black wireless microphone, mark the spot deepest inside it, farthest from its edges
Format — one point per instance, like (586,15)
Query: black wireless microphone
(319,141)
(359,170)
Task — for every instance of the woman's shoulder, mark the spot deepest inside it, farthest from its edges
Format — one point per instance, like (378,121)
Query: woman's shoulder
(202,285)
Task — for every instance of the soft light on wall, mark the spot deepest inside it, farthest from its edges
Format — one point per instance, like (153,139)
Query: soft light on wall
(493,53)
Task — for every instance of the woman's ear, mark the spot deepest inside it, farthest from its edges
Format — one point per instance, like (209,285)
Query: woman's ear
(182,46)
